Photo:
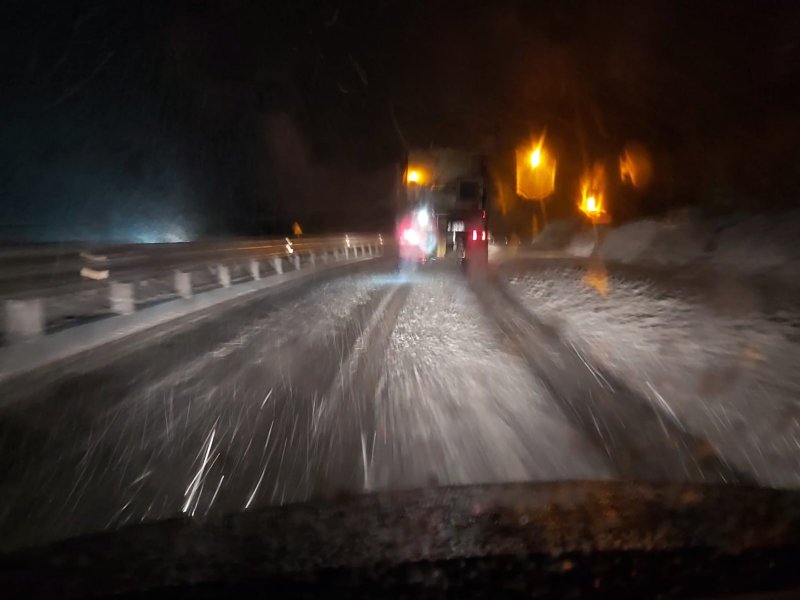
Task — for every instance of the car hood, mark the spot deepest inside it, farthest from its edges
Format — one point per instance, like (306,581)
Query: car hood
(552,521)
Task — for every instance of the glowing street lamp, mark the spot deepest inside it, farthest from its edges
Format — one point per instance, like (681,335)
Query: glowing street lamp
(593,189)
(593,192)
(536,157)
(536,175)
(414,176)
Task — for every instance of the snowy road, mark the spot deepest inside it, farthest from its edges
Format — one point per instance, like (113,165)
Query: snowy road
(378,380)
(720,358)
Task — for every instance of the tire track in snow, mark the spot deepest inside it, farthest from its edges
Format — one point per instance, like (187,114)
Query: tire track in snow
(640,441)
(348,438)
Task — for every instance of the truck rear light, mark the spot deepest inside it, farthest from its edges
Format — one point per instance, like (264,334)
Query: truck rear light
(474,235)
(483,236)
(410,236)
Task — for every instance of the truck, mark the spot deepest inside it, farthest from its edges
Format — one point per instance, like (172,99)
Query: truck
(443,210)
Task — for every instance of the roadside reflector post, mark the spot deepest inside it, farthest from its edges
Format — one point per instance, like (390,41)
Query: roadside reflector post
(183,284)
(346,252)
(312,259)
(255,269)
(296,262)
(24,319)
(121,298)
(224,275)
(277,264)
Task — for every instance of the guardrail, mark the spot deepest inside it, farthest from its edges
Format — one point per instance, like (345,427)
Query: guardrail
(47,288)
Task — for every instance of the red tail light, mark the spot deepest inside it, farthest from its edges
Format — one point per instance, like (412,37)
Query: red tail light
(483,236)
(474,235)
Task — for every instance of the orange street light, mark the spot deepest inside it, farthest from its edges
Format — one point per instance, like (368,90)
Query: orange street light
(592,198)
(536,174)
(536,157)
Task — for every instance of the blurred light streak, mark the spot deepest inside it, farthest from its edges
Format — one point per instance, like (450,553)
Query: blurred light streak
(635,166)
(592,201)
(536,171)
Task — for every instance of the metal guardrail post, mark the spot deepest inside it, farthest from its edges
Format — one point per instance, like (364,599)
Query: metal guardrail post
(296,262)
(24,319)
(277,264)
(183,284)
(121,295)
(312,259)
(346,252)
(255,269)
(224,275)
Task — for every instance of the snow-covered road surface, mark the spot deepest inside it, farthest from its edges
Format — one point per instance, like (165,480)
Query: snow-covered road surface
(368,382)
(382,380)
(720,360)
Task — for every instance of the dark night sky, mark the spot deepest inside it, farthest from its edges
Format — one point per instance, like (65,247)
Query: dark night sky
(167,120)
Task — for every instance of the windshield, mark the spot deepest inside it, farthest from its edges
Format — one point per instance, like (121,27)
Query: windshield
(254,254)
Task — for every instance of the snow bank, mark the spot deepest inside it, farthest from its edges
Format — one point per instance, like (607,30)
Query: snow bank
(760,244)
(556,235)
(747,245)
(582,244)
(668,243)
(629,242)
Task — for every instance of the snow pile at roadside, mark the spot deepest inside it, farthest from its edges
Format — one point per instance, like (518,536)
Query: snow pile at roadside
(745,245)
(556,235)
(582,244)
(723,369)
(630,241)
(760,244)
(649,241)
